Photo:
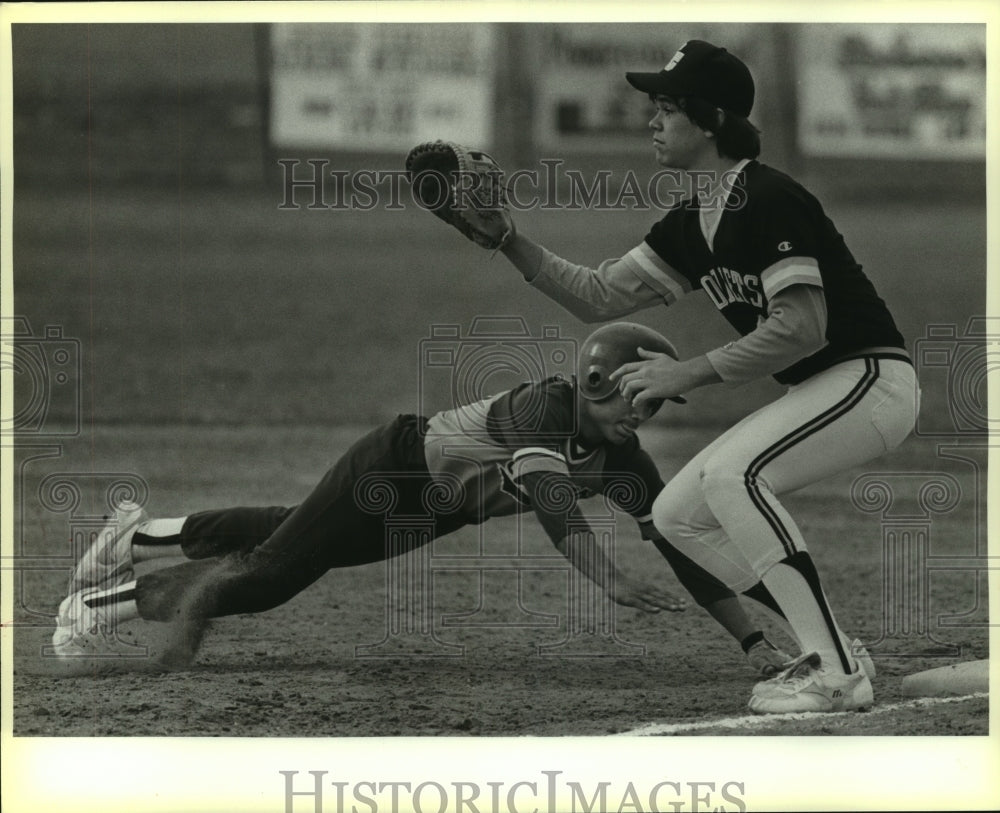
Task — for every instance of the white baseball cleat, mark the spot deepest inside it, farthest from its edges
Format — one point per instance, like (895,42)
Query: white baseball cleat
(858,652)
(108,561)
(766,686)
(806,687)
(766,659)
(83,631)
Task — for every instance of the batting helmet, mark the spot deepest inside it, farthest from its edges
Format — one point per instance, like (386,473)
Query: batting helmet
(611,346)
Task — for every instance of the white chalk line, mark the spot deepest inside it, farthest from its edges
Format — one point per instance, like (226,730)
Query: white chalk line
(762,720)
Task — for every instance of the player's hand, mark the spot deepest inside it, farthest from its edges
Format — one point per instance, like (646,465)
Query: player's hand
(645,597)
(659,376)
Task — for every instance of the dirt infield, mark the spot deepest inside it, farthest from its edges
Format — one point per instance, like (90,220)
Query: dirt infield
(499,645)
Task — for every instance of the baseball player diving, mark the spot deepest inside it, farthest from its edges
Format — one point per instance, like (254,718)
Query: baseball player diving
(539,447)
(763,250)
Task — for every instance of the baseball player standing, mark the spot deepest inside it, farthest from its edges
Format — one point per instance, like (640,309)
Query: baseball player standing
(761,247)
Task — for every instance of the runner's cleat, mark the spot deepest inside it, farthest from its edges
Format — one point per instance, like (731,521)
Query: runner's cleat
(82,631)
(108,561)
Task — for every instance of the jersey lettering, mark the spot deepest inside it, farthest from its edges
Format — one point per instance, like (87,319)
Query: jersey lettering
(788,222)
(725,286)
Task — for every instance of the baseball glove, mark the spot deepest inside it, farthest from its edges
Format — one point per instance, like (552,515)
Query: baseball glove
(464,188)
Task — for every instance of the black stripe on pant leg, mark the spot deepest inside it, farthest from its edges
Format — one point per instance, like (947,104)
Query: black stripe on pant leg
(827,417)
(111,598)
(780,531)
(762,595)
(803,563)
(156,541)
(821,421)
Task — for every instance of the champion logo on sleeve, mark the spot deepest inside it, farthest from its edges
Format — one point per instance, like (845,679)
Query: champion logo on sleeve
(784,245)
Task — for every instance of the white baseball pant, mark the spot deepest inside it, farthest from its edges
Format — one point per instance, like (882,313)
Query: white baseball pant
(721,509)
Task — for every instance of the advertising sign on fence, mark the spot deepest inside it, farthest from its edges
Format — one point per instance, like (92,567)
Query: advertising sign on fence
(380,86)
(893,91)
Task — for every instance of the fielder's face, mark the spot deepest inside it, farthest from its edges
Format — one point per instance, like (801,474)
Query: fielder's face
(614,420)
(678,142)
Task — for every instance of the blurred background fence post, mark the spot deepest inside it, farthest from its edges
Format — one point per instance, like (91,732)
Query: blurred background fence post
(776,111)
(514,100)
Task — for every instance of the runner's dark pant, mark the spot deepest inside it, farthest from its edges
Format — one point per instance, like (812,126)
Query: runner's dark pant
(248,560)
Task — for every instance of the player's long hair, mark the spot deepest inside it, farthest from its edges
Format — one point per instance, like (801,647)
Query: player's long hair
(735,136)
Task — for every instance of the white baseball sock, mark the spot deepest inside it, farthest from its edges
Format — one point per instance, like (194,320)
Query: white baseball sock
(809,615)
(116,605)
(158,539)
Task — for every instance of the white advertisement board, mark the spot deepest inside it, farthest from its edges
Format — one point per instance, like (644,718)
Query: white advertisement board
(892,91)
(380,86)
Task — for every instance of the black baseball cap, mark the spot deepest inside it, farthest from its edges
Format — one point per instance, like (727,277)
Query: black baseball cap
(703,70)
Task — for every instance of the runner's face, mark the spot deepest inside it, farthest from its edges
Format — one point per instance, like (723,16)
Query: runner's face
(678,142)
(614,420)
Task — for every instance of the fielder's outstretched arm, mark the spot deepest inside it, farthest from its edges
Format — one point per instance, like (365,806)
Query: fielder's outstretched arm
(599,294)
(525,255)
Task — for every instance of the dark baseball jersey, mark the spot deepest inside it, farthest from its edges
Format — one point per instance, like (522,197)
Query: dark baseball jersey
(772,234)
(491,445)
